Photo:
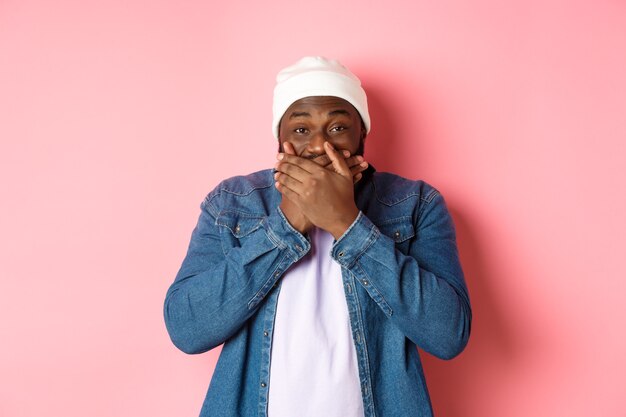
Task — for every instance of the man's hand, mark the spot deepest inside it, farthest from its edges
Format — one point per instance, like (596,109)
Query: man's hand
(294,215)
(324,196)
(356,164)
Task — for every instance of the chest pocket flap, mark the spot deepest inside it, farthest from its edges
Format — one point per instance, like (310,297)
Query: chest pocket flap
(238,223)
(399,229)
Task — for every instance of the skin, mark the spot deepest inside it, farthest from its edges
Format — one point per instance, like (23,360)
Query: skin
(316,172)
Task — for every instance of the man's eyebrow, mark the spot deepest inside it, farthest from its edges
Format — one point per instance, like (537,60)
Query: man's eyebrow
(338,112)
(299,114)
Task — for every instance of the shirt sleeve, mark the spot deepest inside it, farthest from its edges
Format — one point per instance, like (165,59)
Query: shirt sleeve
(423,292)
(219,286)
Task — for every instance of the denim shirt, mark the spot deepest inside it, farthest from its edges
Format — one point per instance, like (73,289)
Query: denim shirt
(402,279)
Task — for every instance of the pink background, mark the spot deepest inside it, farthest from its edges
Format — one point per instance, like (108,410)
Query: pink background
(117,117)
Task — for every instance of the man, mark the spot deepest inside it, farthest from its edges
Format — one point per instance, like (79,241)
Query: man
(320,276)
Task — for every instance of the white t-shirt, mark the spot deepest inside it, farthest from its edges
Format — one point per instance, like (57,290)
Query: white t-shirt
(313,368)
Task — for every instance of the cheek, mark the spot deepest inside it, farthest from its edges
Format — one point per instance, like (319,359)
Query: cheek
(347,142)
(299,144)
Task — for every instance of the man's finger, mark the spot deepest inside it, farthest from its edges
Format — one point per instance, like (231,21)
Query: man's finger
(288,148)
(322,160)
(358,168)
(292,170)
(351,161)
(289,182)
(339,164)
(287,192)
(306,164)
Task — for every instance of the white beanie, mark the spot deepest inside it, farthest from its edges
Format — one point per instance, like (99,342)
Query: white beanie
(317,76)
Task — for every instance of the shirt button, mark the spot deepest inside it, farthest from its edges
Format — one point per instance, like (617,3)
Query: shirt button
(265,333)
(276,274)
(299,248)
(365,282)
(397,234)
(237,229)
(263,384)
(340,254)
(348,288)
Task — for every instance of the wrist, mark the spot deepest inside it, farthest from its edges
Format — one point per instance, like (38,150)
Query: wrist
(295,218)
(344,224)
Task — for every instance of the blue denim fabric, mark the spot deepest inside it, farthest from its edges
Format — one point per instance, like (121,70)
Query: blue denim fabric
(402,278)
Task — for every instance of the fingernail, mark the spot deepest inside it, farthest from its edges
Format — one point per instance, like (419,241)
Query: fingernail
(363,164)
(280,156)
(331,146)
(359,158)
(346,153)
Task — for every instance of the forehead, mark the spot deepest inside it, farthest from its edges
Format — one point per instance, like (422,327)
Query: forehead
(321,104)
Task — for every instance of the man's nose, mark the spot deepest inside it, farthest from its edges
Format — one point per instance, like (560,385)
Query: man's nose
(316,143)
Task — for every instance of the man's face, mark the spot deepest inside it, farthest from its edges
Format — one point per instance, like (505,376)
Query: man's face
(311,121)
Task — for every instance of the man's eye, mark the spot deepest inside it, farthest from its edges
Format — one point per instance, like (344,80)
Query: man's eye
(337,128)
(300,130)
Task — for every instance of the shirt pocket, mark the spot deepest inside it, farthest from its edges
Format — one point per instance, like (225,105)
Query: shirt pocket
(400,230)
(236,226)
